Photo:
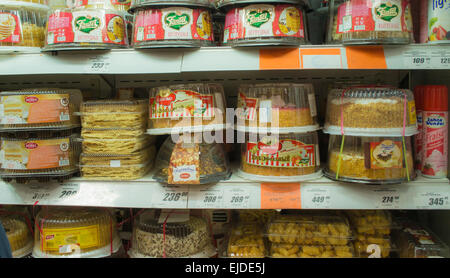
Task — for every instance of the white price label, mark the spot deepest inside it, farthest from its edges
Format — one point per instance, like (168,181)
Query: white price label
(236,198)
(316,198)
(440,59)
(417,59)
(38,193)
(98,64)
(49,193)
(432,200)
(387,198)
(170,196)
(67,191)
(206,198)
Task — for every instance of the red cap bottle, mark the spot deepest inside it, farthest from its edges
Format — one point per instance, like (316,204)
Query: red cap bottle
(435,98)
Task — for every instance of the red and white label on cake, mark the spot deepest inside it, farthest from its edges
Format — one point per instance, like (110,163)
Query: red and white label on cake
(247,107)
(173,23)
(181,104)
(418,141)
(85,27)
(256,21)
(9,28)
(435,144)
(374,15)
(271,152)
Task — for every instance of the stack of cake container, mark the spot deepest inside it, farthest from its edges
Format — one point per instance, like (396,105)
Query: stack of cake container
(114,143)
(370,135)
(278,123)
(38,136)
(194,116)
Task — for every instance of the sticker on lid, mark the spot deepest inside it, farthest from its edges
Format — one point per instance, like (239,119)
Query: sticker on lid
(271,152)
(384,154)
(84,237)
(182,170)
(36,154)
(9,28)
(33,109)
(247,107)
(181,104)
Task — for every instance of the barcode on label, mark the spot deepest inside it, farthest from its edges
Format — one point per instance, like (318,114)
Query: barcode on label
(61,39)
(64,117)
(64,162)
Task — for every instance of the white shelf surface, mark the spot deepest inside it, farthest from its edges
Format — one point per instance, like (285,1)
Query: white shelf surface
(177,60)
(235,193)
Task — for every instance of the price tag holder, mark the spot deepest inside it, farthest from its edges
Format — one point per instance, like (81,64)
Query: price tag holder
(316,198)
(432,200)
(386,198)
(237,198)
(38,193)
(280,196)
(170,196)
(210,197)
(67,191)
(52,193)
(98,64)
(440,59)
(417,59)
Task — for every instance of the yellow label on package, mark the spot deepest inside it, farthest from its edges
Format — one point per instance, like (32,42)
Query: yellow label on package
(412,112)
(84,237)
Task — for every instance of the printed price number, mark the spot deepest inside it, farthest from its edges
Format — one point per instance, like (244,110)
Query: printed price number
(445,60)
(433,202)
(389,199)
(210,199)
(320,199)
(40,196)
(420,60)
(237,199)
(98,65)
(174,196)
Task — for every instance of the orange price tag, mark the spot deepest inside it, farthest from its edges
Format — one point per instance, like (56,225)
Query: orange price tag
(279,58)
(366,57)
(280,196)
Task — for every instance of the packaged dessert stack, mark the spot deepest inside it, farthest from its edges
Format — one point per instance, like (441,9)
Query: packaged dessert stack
(262,22)
(370,135)
(279,126)
(114,143)
(22,25)
(76,232)
(38,139)
(373,232)
(310,235)
(171,234)
(87,24)
(187,112)
(172,23)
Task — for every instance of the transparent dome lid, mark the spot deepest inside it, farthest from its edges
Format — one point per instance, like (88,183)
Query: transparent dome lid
(18,232)
(366,111)
(148,3)
(374,160)
(285,250)
(188,162)
(246,240)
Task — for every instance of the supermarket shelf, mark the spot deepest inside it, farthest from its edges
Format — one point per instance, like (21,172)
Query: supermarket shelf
(234,193)
(154,61)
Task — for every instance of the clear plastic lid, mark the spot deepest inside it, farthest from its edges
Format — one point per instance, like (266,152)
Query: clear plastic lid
(70,231)
(186,105)
(147,3)
(416,241)
(181,27)
(18,234)
(223,3)
(370,222)
(187,162)
(112,114)
(35,156)
(39,109)
(85,28)
(283,250)
(59,4)
(372,246)
(256,215)
(259,23)
(116,145)
(280,157)
(246,240)
(377,111)
(171,235)
(121,5)
(277,108)
(376,160)
(371,22)
(116,166)
(309,229)
(22,25)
